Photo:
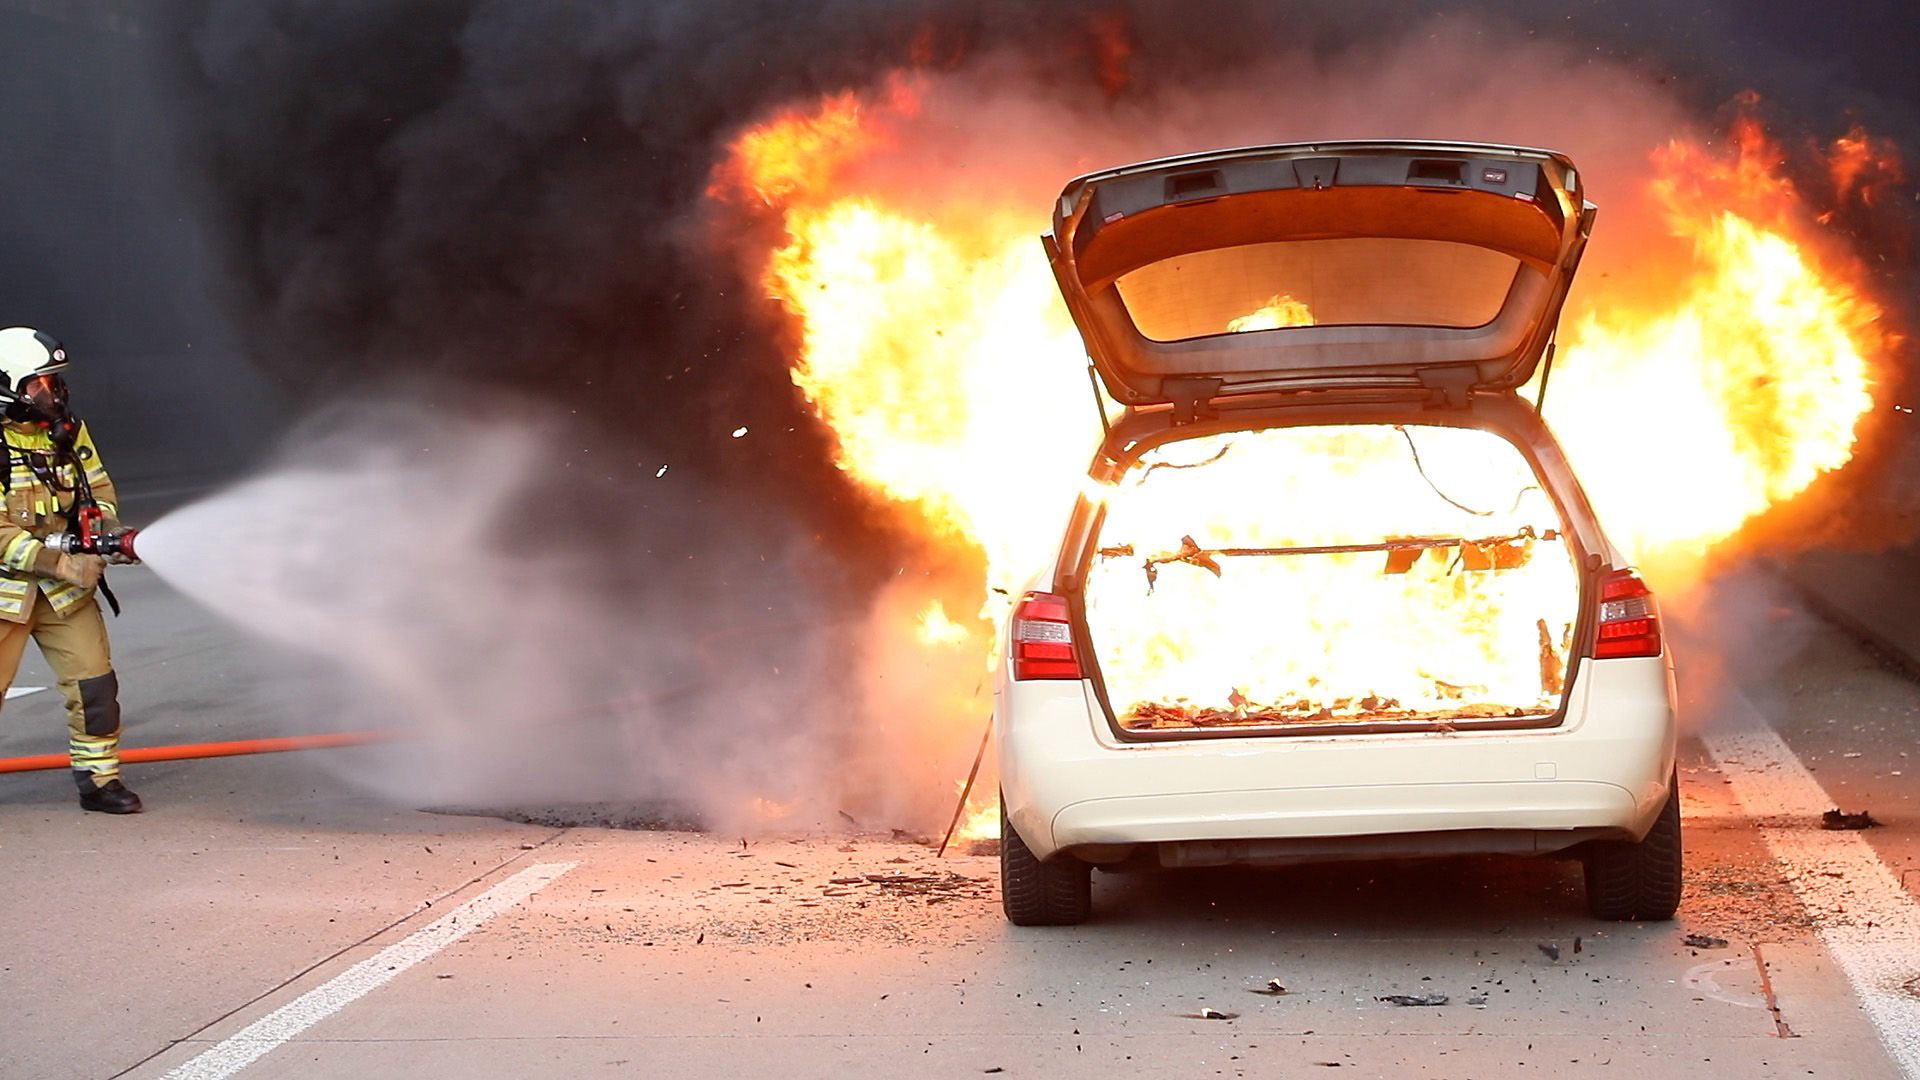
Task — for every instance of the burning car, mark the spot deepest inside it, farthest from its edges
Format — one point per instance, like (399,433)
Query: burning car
(1333,590)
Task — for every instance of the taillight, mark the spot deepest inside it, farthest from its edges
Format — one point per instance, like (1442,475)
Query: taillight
(1043,639)
(1629,621)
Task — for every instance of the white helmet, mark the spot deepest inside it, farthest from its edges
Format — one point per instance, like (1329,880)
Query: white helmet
(27,354)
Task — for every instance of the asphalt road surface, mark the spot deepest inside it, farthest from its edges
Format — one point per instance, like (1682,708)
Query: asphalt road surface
(267,919)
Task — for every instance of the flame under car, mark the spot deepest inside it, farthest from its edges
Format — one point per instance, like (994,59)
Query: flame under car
(1336,592)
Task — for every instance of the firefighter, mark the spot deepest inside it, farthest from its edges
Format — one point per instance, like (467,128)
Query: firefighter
(48,594)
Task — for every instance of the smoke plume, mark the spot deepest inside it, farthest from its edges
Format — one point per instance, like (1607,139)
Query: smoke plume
(530,659)
(506,203)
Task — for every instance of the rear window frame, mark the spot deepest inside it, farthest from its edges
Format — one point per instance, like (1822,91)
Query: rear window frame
(1518,265)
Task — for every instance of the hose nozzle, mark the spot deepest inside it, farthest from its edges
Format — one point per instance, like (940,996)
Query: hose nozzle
(113,544)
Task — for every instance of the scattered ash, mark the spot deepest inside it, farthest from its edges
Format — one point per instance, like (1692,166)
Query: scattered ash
(641,816)
(684,891)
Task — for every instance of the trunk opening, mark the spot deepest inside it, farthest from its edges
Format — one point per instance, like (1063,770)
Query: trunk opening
(1343,577)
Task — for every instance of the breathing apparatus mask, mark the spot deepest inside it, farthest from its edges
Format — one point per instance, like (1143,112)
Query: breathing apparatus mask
(43,399)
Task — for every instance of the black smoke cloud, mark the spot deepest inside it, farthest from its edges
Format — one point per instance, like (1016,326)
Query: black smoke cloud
(509,193)
(511,196)
(504,201)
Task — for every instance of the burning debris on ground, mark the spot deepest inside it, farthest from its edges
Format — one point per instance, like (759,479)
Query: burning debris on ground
(1837,819)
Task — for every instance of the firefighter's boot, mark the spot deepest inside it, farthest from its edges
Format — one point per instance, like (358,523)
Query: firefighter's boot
(111,798)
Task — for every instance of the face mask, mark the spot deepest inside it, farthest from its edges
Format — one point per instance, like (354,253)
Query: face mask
(43,400)
(45,397)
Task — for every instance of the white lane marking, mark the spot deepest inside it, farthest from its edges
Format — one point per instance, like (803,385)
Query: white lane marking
(257,1039)
(1869,922)
(22,691)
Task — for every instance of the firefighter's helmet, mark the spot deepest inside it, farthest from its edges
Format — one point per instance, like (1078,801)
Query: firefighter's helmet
(30,364)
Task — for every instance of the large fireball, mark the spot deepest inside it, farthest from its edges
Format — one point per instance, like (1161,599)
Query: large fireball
(1716,364)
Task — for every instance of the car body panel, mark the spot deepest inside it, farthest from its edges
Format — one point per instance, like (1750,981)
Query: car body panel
(1318,201)
(1068,782)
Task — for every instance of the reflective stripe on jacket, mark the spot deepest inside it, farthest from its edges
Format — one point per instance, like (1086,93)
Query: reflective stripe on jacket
(37,509)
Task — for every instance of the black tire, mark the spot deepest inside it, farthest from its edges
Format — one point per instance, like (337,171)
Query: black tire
(1638,882)
(1035,893)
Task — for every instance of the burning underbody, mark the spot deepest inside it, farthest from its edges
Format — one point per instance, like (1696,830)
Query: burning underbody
(1353,574)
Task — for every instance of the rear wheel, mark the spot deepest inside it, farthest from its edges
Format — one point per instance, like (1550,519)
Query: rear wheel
(1035,893)
(1629,881)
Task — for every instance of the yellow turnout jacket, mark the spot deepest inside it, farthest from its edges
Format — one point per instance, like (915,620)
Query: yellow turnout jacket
(39,498)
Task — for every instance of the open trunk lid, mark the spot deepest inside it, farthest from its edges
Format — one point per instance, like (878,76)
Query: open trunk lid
(1324,266)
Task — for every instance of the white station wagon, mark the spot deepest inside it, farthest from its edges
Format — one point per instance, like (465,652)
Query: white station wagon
(1334,591)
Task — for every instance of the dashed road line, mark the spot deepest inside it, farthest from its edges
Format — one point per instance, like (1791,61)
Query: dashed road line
(261,1037)
(1866,919)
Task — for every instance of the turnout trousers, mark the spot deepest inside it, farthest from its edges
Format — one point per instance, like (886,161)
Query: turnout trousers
(76,648)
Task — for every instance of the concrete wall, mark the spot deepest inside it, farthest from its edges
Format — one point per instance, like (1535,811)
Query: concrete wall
(99,248)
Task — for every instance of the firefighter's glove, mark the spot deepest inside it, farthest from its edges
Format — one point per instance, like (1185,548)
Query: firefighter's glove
(81,570)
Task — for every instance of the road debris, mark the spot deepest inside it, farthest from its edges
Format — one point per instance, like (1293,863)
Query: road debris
(1551,951)
(1704,941)
(935,882)
(1414,1000)
(1272,989)
(1477,999)
(1211,1014)
(1838,819)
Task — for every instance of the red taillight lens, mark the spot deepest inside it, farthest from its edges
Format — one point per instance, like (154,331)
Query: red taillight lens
(1043,639)
(1629,620)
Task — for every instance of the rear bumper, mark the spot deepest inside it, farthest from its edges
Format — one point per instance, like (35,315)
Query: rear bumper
(1359,810)
(1070,783)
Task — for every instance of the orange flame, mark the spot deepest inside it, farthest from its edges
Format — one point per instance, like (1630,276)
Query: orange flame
(1280,311)
(1688,419)
(1863,165)
(933,344)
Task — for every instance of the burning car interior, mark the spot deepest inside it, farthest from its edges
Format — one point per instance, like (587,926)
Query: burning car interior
(1294,578)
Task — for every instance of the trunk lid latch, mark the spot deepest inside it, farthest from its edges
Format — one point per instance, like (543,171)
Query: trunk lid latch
(1451,386)
(1192,396)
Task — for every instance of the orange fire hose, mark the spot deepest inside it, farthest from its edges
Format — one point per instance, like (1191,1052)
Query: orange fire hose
(184,751)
